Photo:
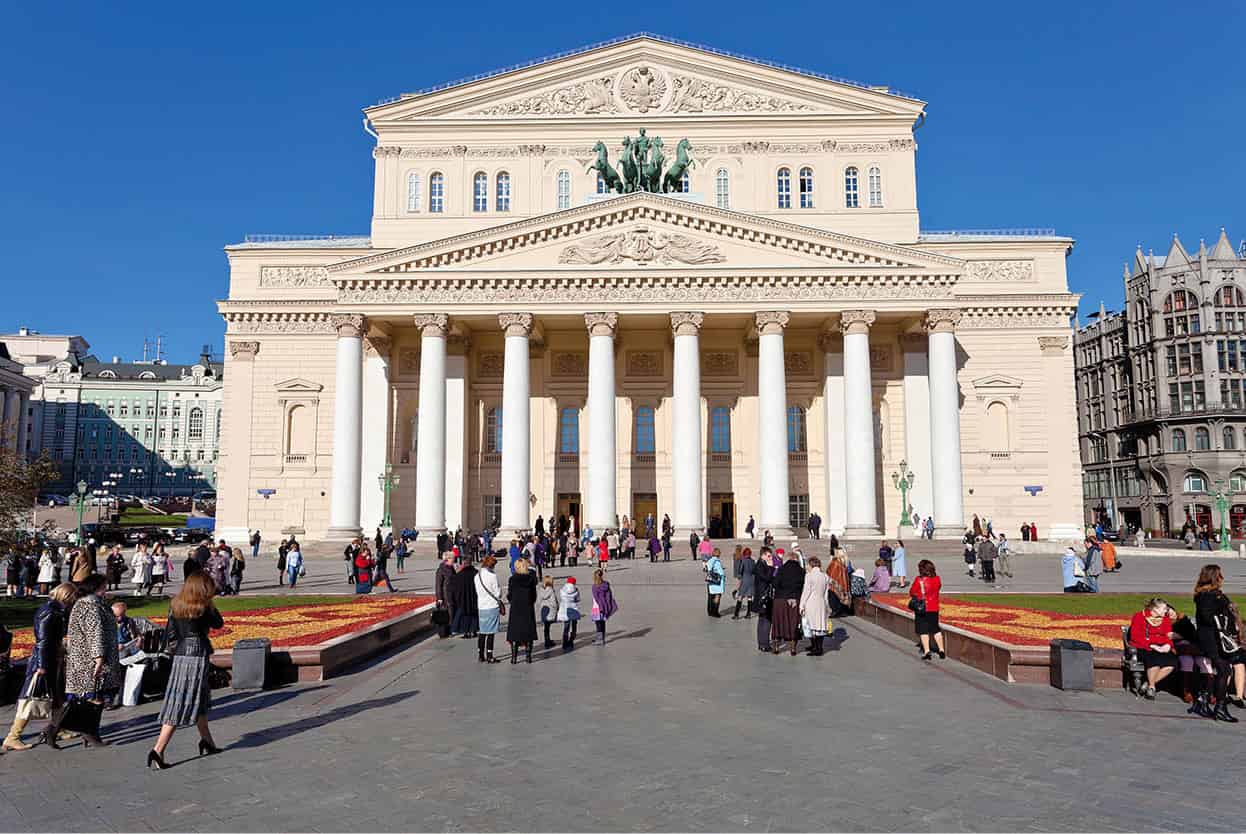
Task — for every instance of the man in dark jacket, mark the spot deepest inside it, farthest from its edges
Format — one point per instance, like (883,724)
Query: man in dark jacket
(693,541)
(348,554)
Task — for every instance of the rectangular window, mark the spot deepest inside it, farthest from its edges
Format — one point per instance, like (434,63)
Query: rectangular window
(125,410)
(720,430)
(645,441)
(493,509)
(798,511)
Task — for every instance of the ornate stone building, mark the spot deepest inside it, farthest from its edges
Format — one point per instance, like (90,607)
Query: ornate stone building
(770,334)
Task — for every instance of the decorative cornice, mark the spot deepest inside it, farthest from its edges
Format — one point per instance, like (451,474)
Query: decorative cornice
(258,321)
(294,277)
(243,350)
(852,322)
(687,324)
(386,151)
(516,324)
(772,321)
(601,324)
(943,321)
(347,325)
(432,324)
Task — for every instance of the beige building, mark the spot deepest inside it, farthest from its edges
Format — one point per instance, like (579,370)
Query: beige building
(770,337)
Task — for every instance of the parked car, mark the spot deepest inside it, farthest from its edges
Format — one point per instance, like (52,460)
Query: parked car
(191,535)
(52,499)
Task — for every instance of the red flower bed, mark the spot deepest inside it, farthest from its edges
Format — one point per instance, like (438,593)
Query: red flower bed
(1020,626)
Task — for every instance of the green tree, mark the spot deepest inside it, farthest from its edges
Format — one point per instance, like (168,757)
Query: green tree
(20,482)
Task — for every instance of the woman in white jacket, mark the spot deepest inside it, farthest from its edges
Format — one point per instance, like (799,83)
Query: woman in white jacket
(47,571)
(569,612)
(489,606)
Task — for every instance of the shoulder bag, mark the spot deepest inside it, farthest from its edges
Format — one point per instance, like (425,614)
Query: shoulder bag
(918,604)
(501,605)
(36,704)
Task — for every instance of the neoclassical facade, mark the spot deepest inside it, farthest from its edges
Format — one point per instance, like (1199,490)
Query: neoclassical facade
(767,333)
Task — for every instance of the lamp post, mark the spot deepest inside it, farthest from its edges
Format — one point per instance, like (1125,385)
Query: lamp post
(136,475)
(170,475)
(81,503)
(387,483)
(903,481)
(1222,504)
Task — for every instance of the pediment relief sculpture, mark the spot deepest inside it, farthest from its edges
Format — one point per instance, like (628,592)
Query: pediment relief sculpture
(694,95)
(641,246)
(586,97)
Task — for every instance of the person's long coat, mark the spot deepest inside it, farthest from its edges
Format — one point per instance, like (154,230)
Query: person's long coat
(47,652)
(763,583)
(813,600)
(747,583)
(521,596)
(92,633)
(441,582)
(462,592)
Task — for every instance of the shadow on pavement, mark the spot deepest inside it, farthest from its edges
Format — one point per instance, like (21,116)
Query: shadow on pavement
(144,727)
(280,732)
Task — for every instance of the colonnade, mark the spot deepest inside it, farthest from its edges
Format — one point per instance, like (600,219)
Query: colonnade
(14,403)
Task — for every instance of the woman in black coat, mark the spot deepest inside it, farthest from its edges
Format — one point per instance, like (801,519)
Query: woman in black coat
(521,625)
(461,592)
(44,667)
(789,582)
(763,597)
(1214,615)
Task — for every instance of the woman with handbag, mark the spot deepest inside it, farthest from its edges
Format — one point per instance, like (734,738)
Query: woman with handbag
(763,597)
(188,696)
(521,626)
(1217,639)
(547,604)
(43,690)
(924,603)
(489,607)
(715,583)
(93,671)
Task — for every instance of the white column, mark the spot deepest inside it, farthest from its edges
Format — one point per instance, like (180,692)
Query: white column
(23,405)
(917,424)
(347,428)
(686,448)
(516,459)
(456,441)
(949,501)
(772,424)
(430,443)
(8,425)
(833,403)
(600,505)
(374,440)
(233,517)
(859,461)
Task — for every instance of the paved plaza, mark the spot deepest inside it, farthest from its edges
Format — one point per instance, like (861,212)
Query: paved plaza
(678,723)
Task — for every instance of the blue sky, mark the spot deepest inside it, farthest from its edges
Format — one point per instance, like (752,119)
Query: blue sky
(138,143)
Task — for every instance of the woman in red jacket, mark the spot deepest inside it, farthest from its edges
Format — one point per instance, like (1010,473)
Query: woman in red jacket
(363,571)
(926,620)
(1150,632)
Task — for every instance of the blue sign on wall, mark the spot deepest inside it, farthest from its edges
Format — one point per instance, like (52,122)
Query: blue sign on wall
(1033,490)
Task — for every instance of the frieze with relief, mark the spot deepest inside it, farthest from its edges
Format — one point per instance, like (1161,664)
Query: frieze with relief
(409,361)
(569,364)
(644,363)
(641,246)
(798,363)
(490,365)
(293,326)
(720,363)
(294,277)
(694,95)
(1005,272)
(880,358)
(587,97)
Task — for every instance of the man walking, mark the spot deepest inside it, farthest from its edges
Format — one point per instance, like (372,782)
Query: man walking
(750,527)
(693,541)
(255,544)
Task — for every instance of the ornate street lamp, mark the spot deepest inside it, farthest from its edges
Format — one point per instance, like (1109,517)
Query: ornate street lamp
(903,481)
(1222,504)
(81,505)
(387,483)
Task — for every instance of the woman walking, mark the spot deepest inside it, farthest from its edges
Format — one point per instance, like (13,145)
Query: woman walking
(813,610)
(188,696)
(92,664)
(789,583)
(294,564)
(716,582)
(237,566)
(161,567)
(363,564)
(490,607)
(604,606)
(521,625)
(569,612)
(547,604)
(763,597)
(47,570)
(924,593)
(140,565)
(1214,620)
(745,589)
(43,668)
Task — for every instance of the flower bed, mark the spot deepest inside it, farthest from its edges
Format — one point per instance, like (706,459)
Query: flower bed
(1022,626)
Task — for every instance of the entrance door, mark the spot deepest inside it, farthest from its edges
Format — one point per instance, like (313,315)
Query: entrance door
(569,506)
(644,504)
(722,515)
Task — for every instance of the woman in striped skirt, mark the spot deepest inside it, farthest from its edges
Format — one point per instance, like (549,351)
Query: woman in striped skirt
(188,696)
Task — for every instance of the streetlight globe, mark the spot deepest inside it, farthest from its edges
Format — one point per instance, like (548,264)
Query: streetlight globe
(397,479)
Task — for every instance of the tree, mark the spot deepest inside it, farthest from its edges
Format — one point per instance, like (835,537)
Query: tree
(20,482)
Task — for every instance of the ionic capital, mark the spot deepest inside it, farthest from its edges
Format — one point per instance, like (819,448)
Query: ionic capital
(772,321)
(431,324)
(943,321)
(856,321)
(687,324)
(515,324)
(347,325)
(1053,344)
(601,324)
(243,350)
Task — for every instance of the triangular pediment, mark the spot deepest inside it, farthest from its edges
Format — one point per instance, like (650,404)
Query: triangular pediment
(646,77)
(997,384)
(298,385)
(644,231)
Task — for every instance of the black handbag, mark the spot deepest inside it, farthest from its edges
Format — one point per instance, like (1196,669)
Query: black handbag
(441,617)
(81,716)
(918,604)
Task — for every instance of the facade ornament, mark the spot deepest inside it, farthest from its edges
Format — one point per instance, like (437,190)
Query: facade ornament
(830,342)
(347,325)
(515,324)
(644,363)
(756,147)
(641,246)
(719,362)
(1000,271)
(693,95)
(943,321)
(432,324)
(772,321)
(490,365)
(243,350)
(583,98)
(601,324)
(856,321)
(409,361)
(569,364)
(687,324)
(531,150)
(1053,344)
(642,88)
(798,363)
(294,277)
(386,151)
(377,346)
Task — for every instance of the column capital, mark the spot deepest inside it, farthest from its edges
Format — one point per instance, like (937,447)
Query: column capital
(243,350)
(831,342)
(515,324)
(943,321)
(687,324)
(431,324)
(772,321)
(601,324)
(377,345)
(1052,345)
(856,321)
(347,325)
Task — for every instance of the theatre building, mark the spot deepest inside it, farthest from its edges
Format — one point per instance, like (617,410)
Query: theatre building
(648,277)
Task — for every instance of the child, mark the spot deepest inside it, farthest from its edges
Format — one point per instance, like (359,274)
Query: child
(547,604)
(604,605)
(603,554)
(569,612)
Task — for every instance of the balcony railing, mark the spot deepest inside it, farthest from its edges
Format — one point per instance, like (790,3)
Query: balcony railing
(568,459)
(720,458)
(1141,415)
(491,458)
(645,457)
(296,460)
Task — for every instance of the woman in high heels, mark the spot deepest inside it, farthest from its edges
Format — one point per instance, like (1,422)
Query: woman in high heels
(92,661)
(188,696)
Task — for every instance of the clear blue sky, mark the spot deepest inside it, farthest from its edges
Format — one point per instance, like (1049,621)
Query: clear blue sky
(137,143)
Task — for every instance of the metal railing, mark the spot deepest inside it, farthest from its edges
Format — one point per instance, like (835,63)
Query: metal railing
(296,460)
(720,458)
(953,234)
(570,458)
(645,457)
(261,238)
(491,458)
(1210,409)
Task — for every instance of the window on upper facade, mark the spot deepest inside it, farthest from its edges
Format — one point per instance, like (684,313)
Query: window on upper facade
(601,184)
(720,430)
(1178,440)
(784,188)
(195,424)
(685,183)
(569,431)
(415,191)
(564,189)
(722,189)
(876,187)
(646,443)
(1181,313)
(852,194)
(1230,296)
(1237,482)
(436,193)
(797,437)
(480,191)
(1202,440)
(503,190)
(806,188)
(1195,481)
(1230,438)
(493,430)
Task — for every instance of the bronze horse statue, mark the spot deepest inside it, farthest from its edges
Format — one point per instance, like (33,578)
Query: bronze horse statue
(627,162)
(674,175)
(651,174)
(605,170)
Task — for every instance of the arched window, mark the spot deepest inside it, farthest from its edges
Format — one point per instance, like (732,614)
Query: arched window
(1181,313)
(569,431)
(645,441)
(564,189)
(1202,439)
(194,430)
(299,430)
(1178,440)
(852,194)
(503,190)
(415,191)
(1230,296)
(784,188)
(876,187)
(1195,481)
(1230,438)
(436,193)
(685,183)
(722,189)
(493,430)
(797,437)
(480,191)
(995,436)
(601,184)
(1237,482)
(720,430)
(806,188)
